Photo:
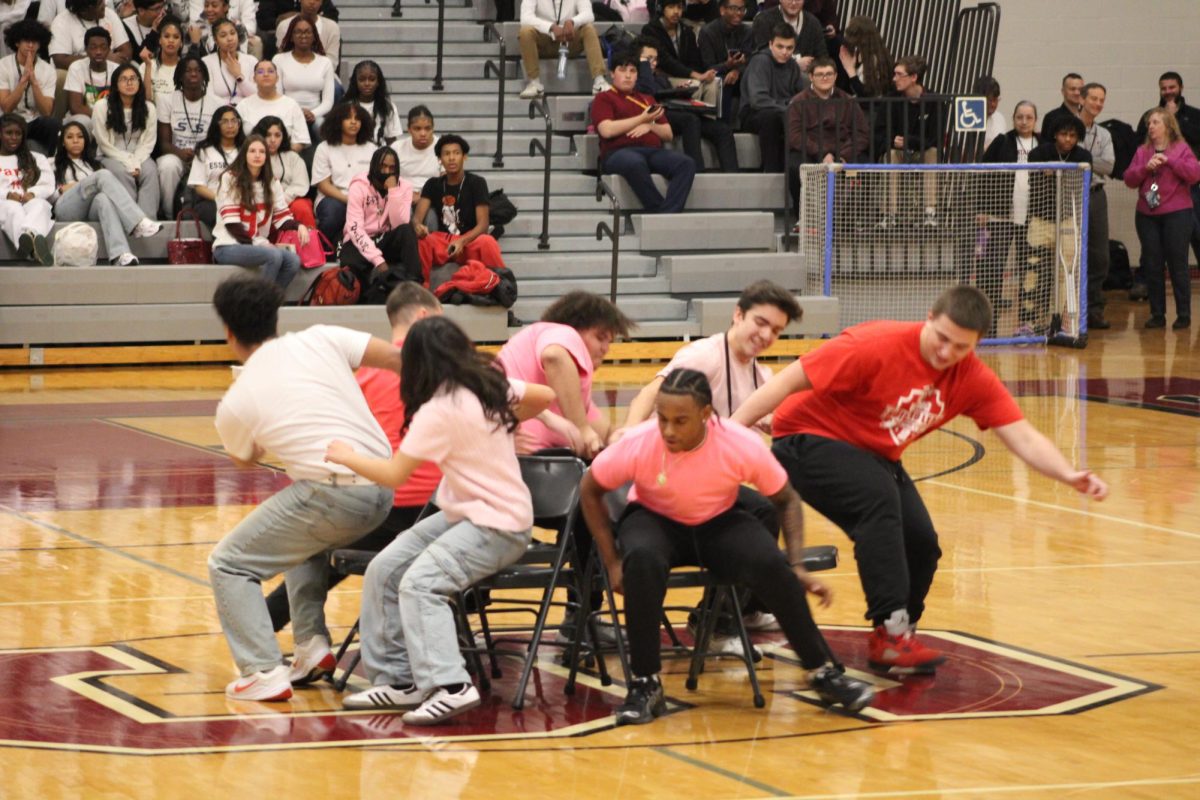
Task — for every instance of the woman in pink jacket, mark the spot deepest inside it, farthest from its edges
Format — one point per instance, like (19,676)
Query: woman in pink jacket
(1163,171)
(378,243)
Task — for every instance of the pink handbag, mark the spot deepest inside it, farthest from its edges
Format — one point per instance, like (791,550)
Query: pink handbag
(313,254)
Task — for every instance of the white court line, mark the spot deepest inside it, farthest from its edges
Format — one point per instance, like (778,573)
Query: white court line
(1115,565)
(1053,507)
(989,790)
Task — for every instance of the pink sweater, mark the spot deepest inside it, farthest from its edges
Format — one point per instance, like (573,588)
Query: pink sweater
(368,215)
(1174,179)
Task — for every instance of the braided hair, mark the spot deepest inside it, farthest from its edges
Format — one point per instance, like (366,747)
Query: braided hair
(684,381)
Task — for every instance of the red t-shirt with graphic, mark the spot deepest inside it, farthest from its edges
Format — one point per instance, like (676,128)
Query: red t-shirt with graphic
(872,389)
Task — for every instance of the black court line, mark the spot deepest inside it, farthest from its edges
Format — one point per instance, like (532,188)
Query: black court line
(724,773)
(978,451)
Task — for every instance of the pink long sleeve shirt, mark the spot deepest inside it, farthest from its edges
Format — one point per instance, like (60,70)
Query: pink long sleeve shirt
(368,215)
(1174,179)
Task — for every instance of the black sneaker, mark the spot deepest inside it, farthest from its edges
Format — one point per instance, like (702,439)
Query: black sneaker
(644,702)
(834,688)
(1139,292)
(40,247)
(1183,323)
(1156,321)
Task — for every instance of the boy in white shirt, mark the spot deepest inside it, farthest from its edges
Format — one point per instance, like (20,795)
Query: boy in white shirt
(88,78)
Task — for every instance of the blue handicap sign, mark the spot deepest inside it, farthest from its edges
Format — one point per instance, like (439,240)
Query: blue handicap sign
(970,114)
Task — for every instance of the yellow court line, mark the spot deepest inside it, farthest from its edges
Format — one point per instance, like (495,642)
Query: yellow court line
(1068,509)
(989,790)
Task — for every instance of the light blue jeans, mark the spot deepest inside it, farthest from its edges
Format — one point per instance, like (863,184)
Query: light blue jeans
(102,198)
(292,533)
(407,626)
(273,264)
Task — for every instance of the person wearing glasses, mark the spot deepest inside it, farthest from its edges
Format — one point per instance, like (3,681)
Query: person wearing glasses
(126,129)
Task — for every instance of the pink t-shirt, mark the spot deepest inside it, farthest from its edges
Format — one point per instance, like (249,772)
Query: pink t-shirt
(700,483)
(521,358)
(482,479)
(728,379)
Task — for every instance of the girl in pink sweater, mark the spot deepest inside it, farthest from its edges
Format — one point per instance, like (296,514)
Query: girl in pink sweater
(1163,171)
(378,243)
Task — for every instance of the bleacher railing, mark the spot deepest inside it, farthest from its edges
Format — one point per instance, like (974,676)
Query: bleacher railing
(500,68)
(613,232)
(441,44)
(540,107)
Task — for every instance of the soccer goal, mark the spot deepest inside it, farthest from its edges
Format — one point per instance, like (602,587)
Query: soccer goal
(886,239)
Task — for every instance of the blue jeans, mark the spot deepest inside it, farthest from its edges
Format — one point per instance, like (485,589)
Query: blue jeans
(637,164)
(273,264)
(407,627)
(291,533)
(331,219)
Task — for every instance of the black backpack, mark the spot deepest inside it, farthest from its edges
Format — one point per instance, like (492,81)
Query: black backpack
(1124,144)
(1120,276)
(501,211)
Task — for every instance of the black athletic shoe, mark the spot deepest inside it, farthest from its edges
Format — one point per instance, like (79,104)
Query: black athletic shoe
(1156,321)
(40,247)
(834,688)
(1183,323)
(644,702)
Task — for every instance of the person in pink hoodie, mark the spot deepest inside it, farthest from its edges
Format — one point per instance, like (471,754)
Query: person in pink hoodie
(1163,171)
(378,243)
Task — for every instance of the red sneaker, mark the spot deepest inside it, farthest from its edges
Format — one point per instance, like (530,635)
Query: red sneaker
(901,655)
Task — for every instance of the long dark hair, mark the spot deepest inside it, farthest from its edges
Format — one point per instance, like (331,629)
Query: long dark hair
(172,22)
(331,128)
(374,172)
(286,45)
(264,125)
(30,172)
(212,137)
(116,106)
(62,161)
(438,353)
(381,106)
(243,181)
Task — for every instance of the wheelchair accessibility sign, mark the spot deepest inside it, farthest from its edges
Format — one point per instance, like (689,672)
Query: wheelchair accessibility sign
(970,114)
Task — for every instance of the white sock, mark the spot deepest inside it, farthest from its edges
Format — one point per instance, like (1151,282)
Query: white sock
(897,624)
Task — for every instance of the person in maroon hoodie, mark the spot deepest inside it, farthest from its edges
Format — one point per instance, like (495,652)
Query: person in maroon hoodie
(378,243)
(1163,171)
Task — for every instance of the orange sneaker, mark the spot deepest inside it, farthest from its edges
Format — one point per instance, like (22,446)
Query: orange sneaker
(901,655)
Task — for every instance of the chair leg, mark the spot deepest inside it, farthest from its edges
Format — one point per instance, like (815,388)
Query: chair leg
(747,648)
(340,683)
(675,643)
(582,615)
(487,637)
(534,641)
(468,642)
(622,656)
(709,610)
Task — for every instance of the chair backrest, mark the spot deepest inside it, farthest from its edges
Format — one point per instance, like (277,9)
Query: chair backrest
(553,482)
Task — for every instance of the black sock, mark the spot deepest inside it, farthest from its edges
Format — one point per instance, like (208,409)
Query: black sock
(404,687)
(454,688)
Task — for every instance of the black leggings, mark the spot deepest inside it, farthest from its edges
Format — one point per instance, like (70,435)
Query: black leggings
(876,503)
(736,548)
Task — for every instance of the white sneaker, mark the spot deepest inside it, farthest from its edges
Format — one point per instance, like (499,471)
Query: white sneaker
(384,697)
(126,260)
(532,90)
(442,705)
(600,85)
(312,661)
(760,621)
(725,646)
(146,228)
(267,686)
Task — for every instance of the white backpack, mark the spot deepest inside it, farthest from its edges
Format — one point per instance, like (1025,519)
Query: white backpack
(75,246)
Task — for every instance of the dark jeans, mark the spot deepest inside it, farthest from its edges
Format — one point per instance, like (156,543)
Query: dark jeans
(1164,239)
(398,520)
(875,502)
(1097,269)
(399,249)
(770,125)
(735,548)
(691,128)
(331,219)
(206,210)
(637,164)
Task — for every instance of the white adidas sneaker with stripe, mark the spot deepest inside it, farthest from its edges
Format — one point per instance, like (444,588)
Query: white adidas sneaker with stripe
(442,705)
(383,697)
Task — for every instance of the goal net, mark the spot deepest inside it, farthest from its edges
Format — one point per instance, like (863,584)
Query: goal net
(886,239)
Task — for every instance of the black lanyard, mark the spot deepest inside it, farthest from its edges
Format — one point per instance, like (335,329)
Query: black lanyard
(729,374)
(199,117)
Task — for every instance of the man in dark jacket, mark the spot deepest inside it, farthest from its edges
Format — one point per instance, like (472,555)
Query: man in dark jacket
(725,44)
(772,79)
(678,52)
(810,36)
(824,123)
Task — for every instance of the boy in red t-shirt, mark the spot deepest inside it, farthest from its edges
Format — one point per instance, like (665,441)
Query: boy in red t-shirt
(847,411)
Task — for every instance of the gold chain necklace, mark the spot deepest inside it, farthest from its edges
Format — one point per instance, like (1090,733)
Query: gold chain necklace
(664,467)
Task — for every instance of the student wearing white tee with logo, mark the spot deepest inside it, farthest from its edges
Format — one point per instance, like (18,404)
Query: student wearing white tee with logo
(26,184)
(183,119)
(344,152)
(126,129)
(214,153)
(27,83)
(89,79)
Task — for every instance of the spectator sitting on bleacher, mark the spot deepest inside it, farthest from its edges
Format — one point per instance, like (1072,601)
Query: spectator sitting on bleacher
(288,168)
(230,71)
(141,27)
(678,53)
(725,44)
(27,182)
(88,79)
(126,130)
(687,125)
(997,125)
(214,153)
(268,102)
(327,29)
(158,70)
(88,191)
(417,151)
(305,74)
(70,29)
(824,123)
(379,245)
(368,88)
(1072,105)
(27,83)
(204,15)
(183,120)
(344,152)
(810,36)
(632,130)
(772,79)
(547,26)
(916,128)
(824,10)
(864,64)
(459,200)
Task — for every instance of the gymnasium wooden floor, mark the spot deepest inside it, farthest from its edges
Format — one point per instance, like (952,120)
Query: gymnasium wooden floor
(1072,627)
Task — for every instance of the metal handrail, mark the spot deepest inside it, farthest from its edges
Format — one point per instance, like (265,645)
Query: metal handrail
(489,65)
(536,106)
(441,43)
(613,232)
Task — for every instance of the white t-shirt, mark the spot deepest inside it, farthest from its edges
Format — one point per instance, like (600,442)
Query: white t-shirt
(223,85)
(162,79)
(708,355)
(340,163)
(10,177)
(67,30)
(481,476)
(74,173)
(997,125)
(327,31)
(1021,181)
(43,72)
(416,165)
(208,165)
(10,13)
(189,119)
(254,108)
(296,394)
(92,85)
(384,129)
(310,85)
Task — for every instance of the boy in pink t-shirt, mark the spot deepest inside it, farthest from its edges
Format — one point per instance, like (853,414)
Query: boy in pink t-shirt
(686,469)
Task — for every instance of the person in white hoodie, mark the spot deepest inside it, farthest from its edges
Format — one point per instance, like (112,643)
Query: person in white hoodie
(26,184)
(378,243)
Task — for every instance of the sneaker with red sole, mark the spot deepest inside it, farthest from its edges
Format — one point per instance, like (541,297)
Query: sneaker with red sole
(312,661)
(901,655)
(268,686)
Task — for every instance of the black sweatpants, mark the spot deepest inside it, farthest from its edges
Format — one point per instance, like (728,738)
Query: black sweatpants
(735,548)
(398,248)
(877,504)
